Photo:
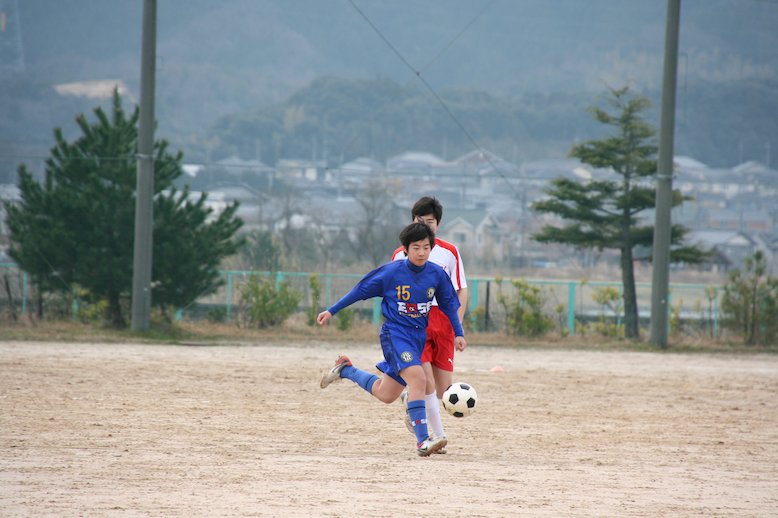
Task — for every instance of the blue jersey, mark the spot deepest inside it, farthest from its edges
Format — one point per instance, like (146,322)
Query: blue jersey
(407,291)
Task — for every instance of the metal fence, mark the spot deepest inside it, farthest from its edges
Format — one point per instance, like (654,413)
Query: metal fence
(694,304)
(571,302)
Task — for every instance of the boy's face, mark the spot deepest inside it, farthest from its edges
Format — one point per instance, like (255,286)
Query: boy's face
(428,220)
(418,252)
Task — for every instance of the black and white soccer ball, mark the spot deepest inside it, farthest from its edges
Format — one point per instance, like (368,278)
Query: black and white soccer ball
(459,399)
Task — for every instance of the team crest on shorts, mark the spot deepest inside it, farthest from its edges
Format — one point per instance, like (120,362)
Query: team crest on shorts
(406,356)
(430,293)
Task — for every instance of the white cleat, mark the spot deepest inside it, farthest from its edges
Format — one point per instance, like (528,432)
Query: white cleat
(443,450)
(430,446)
(334,373)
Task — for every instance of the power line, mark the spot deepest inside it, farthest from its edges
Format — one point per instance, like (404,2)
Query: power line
(443,104)
(453,40)
(445,48)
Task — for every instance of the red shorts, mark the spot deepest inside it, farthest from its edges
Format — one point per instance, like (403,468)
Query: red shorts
(439,347)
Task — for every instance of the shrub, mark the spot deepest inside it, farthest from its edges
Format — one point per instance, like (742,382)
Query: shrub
(263,304)
(313,311)
(609,299)
(675,318)
(92,313)
(477,321)
(750,303)
(216,315)
(560,313)
(711,294)
(345,319)
(524,314)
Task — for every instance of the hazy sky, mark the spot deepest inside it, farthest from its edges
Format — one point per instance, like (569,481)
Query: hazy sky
(222,58)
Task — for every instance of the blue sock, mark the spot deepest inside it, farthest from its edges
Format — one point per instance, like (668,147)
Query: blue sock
(417,411)
(362,378)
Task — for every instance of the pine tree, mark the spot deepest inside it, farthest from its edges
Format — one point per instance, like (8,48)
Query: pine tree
(76,227)
(604,214)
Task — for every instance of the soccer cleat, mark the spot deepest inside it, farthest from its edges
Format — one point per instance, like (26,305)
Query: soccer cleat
(430,445)
(406,417)
(443,450)
(334,373)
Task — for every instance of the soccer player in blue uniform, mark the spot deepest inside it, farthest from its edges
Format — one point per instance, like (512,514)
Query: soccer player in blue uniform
(407,289)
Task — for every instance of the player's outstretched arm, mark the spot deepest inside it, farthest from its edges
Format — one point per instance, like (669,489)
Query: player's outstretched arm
(323,317)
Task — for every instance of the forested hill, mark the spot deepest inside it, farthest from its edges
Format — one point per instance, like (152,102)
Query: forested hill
(542,61)
(721,123)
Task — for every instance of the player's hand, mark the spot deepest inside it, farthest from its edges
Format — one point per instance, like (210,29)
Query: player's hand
(323,317)
(460,343)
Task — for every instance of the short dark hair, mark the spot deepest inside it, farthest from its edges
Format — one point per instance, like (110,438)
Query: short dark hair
(416,232)
(427,205)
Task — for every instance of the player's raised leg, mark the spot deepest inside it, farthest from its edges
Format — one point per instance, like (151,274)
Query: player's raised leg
(384,388)
(344,369)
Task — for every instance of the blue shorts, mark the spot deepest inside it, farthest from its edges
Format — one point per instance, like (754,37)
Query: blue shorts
(402,348)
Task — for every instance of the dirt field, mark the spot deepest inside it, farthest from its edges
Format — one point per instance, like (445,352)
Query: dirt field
(160,430)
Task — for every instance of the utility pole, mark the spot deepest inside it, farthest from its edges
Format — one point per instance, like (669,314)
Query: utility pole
(144,218)
(664,181)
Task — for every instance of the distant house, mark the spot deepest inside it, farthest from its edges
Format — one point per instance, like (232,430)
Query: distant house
(747,220)
(227,170)
(237,166)
(302,169)
(482,168)
(547,169)
(478,235)
(252,202)
(360,168)
(192,170)
(355,174)
(414,163)
(695,177)
(730,248)
(722,219)
(757,173)
(756,220)
(687,163)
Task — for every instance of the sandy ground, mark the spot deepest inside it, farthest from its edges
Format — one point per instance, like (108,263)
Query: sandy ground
(245,430)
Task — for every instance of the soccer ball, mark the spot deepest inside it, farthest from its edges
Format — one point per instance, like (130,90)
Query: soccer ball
(459,399)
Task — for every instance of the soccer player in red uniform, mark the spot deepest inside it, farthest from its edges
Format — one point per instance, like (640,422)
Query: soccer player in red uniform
(438,356)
